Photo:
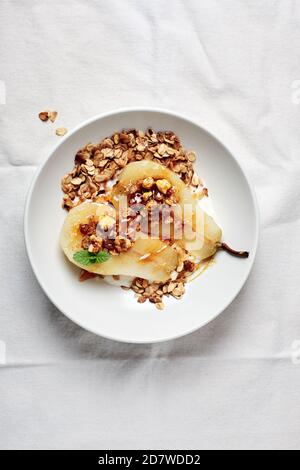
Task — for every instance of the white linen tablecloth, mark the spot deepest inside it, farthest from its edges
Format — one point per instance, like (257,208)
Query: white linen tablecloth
(233,66)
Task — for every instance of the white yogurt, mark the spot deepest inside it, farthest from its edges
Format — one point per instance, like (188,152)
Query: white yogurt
(122,281)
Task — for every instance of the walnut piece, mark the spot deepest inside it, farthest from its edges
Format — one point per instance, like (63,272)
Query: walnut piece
(46,115)
(163,185)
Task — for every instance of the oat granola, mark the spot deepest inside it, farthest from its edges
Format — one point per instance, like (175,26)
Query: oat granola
(98,164)
(151,201)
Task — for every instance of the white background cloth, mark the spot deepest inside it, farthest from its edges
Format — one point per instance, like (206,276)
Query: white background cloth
(233,66)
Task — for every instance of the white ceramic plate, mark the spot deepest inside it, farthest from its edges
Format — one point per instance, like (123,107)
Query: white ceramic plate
(109,311)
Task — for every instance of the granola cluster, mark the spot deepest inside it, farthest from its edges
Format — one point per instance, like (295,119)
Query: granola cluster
(175,287)
(103,236)
(150,193)
(97,164)
(155,291)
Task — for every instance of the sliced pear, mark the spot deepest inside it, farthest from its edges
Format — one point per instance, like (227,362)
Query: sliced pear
(150,259)
(206,235)
(201,235)
(137,171)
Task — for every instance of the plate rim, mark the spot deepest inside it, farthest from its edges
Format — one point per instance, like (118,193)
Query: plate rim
(68,136)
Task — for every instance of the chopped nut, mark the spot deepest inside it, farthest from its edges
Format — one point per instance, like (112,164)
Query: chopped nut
(106,222)
(163,185)
(147,195)
(122,244)
(189,266)
(148,183)
(44,116)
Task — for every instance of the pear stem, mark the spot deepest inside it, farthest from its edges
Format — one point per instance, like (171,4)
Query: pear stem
(231,251)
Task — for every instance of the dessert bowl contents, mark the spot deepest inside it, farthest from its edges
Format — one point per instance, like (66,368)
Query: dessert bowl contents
(134,203)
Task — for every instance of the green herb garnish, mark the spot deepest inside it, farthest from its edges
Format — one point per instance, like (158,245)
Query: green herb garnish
(86,258)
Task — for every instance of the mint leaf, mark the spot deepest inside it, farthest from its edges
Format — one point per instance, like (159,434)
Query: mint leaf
(83,257)
(102,256)
(86,258)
